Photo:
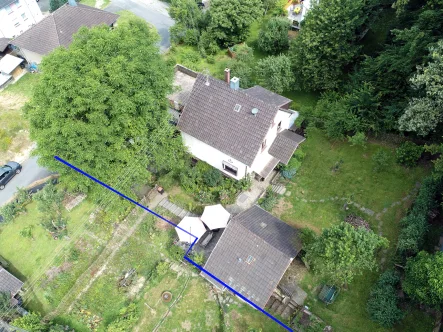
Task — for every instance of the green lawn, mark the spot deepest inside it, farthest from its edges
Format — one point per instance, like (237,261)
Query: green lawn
(14,127)
(356,181)
(24,86)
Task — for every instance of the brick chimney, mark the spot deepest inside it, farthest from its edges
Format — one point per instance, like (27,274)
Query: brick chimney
(227,75)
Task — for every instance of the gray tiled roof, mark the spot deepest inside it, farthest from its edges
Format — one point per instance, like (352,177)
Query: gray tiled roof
(270,249)
(9,283)
(209,116)
(58,28)
(267,96)
(284,145)
(4,43)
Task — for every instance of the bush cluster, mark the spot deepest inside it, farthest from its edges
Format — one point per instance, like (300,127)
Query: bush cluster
(288,171)
(269,200)
(208,185)
(408,153)
(18,205)
(382,305)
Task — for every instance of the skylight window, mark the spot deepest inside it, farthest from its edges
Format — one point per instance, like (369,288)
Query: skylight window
(250,259)
(237,107)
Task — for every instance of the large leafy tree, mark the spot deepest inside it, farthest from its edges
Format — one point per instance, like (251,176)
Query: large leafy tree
(100,104)
(326,43)
(341,252)
(230,19)
(31,322)
(424,278)
(274,73)
(424,113)
(273,37)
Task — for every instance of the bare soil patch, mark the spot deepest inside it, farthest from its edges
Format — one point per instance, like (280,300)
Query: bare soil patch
(281,207)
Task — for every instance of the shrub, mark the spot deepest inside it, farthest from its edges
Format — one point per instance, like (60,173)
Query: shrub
(198,258)
(383,301)
(176,253)
(210,59)
(275,73)
(207,44)
(273,37)
(381,160)
(27,232)
(74,254)
(408,153)
(191,37)
(126,320)
(30,322)
(167,181)
(359,138)
(213,177)
(162,268)
(288,171)
(8,212)
(269,201)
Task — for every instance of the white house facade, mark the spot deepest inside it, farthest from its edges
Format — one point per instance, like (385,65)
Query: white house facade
(17,16)
(236,131)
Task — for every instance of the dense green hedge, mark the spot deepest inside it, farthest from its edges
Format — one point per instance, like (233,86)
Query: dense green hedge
(415,225)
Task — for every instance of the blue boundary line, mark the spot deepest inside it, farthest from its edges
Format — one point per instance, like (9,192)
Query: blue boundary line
(175,225)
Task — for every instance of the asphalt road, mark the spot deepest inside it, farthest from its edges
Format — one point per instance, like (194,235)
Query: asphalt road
(30,173)
(153,11)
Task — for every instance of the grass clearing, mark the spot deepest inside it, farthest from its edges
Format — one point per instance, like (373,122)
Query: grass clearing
(14,128)
(337,169)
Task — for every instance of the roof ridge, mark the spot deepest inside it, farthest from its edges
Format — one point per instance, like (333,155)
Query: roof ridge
(252,98)
(55,25)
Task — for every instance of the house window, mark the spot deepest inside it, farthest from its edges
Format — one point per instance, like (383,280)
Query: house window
(24,17)
(279,126)
(16,24)
(263,145)
(231,169)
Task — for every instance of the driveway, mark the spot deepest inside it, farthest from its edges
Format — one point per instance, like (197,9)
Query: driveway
(30,173)
(152,11)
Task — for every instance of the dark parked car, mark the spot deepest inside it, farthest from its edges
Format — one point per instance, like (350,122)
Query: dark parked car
(8,171)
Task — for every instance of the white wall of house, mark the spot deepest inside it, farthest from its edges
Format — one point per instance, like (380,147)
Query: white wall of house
(263,157)
(18,17)
(214,157)
(31,56)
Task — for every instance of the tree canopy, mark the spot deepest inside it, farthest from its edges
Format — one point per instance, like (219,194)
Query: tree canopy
(230,19)
(326,43)
(56,4)
(100,104)
(424,278)
(424,113)
(274,73)
(341,252)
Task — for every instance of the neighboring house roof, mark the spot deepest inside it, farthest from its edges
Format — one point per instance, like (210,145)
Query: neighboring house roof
(253,253)
(4,3)
(9,283)
(209,116)
(4,42)
(8,63)
(58,28)
(284,145)
(267,96)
